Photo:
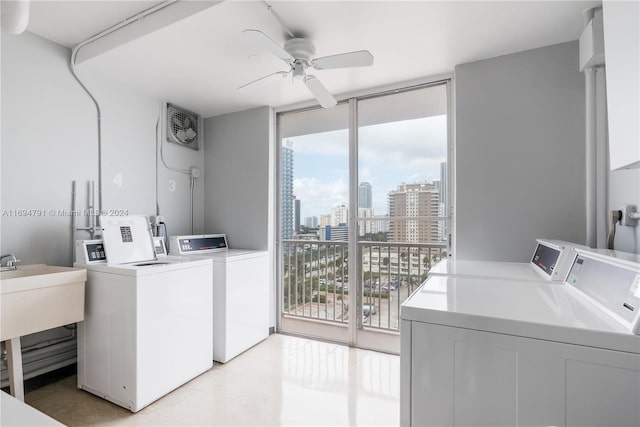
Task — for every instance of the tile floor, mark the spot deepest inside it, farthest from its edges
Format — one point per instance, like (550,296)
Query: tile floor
(282,381)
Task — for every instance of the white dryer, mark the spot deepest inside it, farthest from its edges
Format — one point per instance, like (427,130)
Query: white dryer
(240,292)
(550,261)
(147,327)
(479,351)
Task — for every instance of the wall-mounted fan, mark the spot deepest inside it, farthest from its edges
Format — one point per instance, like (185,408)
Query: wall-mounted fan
(183,127)
(298,53)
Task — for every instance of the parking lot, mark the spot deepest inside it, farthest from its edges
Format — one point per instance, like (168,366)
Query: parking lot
(383,308)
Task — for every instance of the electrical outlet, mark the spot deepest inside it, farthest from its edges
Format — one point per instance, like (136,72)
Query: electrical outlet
(155,220)
(628,218)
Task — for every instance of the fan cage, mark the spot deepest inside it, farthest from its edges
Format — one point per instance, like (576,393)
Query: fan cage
(178,121)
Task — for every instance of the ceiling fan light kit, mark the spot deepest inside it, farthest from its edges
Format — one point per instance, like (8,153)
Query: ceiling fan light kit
(298,54)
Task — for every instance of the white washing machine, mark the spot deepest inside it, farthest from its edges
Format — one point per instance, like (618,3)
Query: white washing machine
(550,261)
(240,292)
(487,352)
(147,327)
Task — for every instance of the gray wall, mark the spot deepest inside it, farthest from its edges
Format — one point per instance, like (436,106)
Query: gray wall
(624,189)
(519,153)
(240,176)
(237,177)
(49,140)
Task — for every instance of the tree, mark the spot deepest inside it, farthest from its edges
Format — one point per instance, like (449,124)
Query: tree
(426,262)
(380,236)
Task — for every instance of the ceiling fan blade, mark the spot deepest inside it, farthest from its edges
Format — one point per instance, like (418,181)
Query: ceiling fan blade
(263,81)
(260,39)
(360,58)
(320,92)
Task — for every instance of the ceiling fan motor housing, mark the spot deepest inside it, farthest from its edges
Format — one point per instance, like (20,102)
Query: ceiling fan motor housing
(300,49)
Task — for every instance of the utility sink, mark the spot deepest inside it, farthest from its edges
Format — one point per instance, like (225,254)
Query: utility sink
(39,297)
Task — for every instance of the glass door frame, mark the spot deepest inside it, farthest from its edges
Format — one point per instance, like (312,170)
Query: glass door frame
(356,335)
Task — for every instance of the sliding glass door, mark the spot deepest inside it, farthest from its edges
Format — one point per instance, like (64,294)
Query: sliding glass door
(364,212)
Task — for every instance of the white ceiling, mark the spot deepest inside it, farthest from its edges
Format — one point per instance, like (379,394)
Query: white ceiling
(70,22)
(199,62)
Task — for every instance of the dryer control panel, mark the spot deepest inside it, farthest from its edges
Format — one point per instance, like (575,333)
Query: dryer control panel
(612,284)
(553,258)
(198,244)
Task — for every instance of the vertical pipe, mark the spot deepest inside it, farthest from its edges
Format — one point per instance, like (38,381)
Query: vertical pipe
(192,184)
(590,149)
(590,157)
(602,163)
(92,208)
(73,221)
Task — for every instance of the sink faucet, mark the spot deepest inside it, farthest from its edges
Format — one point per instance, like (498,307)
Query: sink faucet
(8,264)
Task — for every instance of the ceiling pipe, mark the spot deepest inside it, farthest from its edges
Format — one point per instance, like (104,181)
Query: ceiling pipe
(15,15)
(74,54)
(278,18)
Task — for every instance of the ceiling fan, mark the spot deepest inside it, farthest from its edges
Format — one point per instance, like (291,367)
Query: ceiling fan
(298,54)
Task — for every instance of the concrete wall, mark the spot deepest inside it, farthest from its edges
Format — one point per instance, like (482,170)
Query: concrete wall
(519,152)
(49,139)
(239,182)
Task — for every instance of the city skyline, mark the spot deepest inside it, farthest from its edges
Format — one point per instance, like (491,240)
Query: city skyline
(390,154)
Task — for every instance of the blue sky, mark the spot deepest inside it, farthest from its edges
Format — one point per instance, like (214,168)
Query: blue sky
(389,154)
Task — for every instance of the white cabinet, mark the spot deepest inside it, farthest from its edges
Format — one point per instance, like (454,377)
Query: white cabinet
(455,376)
(622,58)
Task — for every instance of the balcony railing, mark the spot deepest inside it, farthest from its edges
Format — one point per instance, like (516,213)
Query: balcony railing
(316,280)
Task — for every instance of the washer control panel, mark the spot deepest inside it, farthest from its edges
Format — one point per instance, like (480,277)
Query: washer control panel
(90,252)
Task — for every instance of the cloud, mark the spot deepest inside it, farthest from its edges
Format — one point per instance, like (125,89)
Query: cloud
(318,197)
(389,154)
(324,143)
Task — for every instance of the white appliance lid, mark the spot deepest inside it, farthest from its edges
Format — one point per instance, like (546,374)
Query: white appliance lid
(127,239)
(543,311)
(488,269)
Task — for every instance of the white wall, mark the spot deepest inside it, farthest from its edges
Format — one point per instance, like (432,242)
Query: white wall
(49,139)
(239,198)
(519,153)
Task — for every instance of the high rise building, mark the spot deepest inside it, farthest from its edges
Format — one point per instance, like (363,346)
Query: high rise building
(311,222)
(325,220)
(339,233)
(339,215)
(443,200)
(365,226)
(443,183)
(296,216)
(380,226)
(365,195)
(414,200)
(286,195)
